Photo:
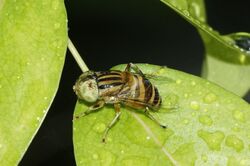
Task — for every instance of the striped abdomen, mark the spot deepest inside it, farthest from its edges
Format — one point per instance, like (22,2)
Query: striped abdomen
(109,83)
(141,93)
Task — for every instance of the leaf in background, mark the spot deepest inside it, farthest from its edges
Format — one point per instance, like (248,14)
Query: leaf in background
(227,62)
(210,126)
(33,40)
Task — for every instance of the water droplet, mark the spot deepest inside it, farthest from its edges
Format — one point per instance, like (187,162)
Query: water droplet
(185,121)
(122,151)
(236,129)
(193,83)
(170,101)
(57,25)
(210,28)
(99,127)
(195,105)
(45,98)
(193,113)
(210,98)
(186,12)
(148,137)
(44,110)
(242,58)
(186,95)
(204,157)
(55,5)
(239,115)
(234,142)
(95,156)
(205,120)
(42,59)
(205,110)
(38,119)
(212,139)
(161,71)
(178,81)
(0,86)
(244,162)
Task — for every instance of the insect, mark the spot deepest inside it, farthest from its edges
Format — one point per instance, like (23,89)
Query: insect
(128,88)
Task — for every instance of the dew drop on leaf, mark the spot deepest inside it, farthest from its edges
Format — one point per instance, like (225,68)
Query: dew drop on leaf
(99,127)
(178,81)
(204,157)
(185,121)
(205,120)
(186,95)
(212,139)
(194,105)
(170,101)
(234,142)
(186,12)
(95,156)
(210,98)
(193,83)
(239,115)
(38,119)
(55,5)
(57,25)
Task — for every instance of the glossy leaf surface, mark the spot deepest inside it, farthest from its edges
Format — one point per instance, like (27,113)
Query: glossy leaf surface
(223,52)
(33,40)
(207,125)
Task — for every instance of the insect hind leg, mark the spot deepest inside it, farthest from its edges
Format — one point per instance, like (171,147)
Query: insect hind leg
(147,113)
(135,68)
(96,106)
(111,124)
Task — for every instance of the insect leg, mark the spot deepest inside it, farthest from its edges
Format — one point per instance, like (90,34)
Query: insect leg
(152,118)
(97,105)
(117,115)
(134,67)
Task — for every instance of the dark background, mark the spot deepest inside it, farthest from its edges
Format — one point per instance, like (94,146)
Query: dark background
(111,32)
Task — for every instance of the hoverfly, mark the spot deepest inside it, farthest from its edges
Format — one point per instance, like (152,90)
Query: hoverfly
(131,89)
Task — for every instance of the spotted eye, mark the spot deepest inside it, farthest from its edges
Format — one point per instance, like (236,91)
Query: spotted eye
(87,90)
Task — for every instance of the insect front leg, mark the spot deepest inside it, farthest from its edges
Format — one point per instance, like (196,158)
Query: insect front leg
(134,67)
(97,105)
(147,113)
(117,115)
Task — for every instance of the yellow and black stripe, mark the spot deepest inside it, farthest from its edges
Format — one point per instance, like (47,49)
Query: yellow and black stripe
(109,82)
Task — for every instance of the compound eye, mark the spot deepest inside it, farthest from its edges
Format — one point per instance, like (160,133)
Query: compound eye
(88,90)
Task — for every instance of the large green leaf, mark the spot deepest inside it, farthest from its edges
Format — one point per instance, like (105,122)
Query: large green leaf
(33,40)
(208,126)
(223,54)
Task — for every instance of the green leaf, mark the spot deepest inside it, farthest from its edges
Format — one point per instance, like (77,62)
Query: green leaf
(208,126)
(33,40)
(222,52)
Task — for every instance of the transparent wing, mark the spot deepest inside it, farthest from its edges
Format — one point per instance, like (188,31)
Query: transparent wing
(159,78)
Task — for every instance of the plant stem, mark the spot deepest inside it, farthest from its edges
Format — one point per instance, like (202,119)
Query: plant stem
(77,56)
